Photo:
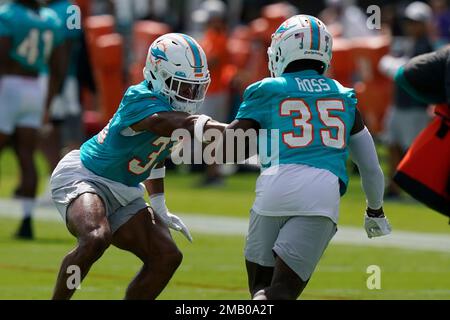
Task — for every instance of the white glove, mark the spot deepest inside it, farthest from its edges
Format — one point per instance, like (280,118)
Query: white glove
(171,220)
(376,227)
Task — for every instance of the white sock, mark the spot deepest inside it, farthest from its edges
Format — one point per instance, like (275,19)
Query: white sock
(28,205)
(260,295)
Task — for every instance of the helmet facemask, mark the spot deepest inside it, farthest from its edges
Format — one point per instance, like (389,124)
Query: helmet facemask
(186,95)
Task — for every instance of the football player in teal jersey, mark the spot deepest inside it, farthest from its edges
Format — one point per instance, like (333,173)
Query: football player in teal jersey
(98,189)
(66,129)
(316,124)
(30,42)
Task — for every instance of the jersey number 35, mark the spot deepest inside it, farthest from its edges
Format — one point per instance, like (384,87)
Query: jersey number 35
(323,106)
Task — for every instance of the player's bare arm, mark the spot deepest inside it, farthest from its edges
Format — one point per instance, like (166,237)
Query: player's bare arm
(359,123)
(244,124)
(155,188)
(165,123)
(58,64)
(5,47)
(155,184)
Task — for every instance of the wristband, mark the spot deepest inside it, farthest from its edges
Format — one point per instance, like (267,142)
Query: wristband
(199,126)
(158,202)
(158,173)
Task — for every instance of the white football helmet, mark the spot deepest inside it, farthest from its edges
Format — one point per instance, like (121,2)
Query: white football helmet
(299,37)
(176,66)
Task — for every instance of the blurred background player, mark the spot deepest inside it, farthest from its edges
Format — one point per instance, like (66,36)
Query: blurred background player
(441,21)
(408,116)
(66,130)
(345,19)
(295,213)
(30,42)
(425,170)
(97,189)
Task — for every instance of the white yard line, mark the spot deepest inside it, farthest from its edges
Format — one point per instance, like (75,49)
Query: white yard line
(216,225)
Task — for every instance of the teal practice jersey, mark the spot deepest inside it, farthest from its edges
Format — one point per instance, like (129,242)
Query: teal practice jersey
(120,154)
(62,9)
(34,34)
(311,115)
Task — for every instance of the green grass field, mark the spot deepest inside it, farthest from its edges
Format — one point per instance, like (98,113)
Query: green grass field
(213,266)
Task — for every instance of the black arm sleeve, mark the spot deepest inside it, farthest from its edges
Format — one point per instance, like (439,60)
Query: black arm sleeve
(429,75)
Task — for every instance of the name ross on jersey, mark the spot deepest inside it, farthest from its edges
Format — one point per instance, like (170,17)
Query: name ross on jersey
(312,85)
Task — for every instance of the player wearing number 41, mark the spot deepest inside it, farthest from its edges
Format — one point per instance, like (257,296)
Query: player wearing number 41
(295,213)
(98,189)
(31,41)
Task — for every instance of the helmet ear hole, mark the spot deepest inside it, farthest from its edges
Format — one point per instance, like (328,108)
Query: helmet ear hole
(278,55)
(153,75)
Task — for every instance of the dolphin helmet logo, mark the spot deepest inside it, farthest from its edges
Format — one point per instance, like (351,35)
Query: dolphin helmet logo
(284,27)
(158,54)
